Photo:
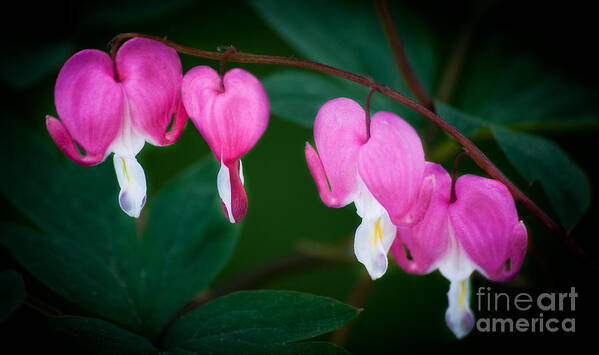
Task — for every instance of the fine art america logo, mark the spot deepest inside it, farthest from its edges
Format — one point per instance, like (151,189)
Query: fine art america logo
(551,312)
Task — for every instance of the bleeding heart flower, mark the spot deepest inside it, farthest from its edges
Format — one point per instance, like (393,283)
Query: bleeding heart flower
(479,231)
(103,111)
(382,175)
(231,116)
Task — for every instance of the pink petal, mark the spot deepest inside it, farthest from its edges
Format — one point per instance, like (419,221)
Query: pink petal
(64,141)
(486,223)
(320,177)
(151,75)
(391,164)
(179,122)
(339,133)
(231,121)
(427,241)
(419,208)
(516,251)
(89,103)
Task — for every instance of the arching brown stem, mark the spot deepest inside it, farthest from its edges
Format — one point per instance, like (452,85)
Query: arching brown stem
(367,109)
(473,151)
(401,58)
(454,176)
(223,63)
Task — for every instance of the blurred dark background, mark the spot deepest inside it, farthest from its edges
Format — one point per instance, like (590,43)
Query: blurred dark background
(285,218)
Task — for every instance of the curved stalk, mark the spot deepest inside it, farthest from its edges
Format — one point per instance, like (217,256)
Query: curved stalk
(401,58)
(473,151)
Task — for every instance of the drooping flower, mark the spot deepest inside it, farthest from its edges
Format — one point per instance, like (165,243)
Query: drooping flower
(231,115)
(382,175)
(480,231)
(104,112)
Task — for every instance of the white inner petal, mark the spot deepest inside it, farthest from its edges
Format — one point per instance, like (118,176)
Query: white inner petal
(459,317)
(374,235)
(223,183)
(128,142)
(366,205)
(455,265)
(241,172)
(132,181)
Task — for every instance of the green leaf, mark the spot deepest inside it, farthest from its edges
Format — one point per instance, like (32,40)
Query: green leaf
(505,89)
(500,86)
(86,249)
(465,123)
(12,293)
(297,96)
(258,321)
(96,336)
(188,241)
(509,87)
(75,270)
(348,35)
(538,159)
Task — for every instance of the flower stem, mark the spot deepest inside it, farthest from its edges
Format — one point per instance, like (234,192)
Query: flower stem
(401,58)
(115,71)
(408,74)
(453,68)
(454,176)
(372,90)
(474,152)
(41,306)
(223,62)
